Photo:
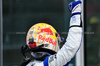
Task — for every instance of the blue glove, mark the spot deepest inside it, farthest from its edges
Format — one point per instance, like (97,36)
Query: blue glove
(75,7)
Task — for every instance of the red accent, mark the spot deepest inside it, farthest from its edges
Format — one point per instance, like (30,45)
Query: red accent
(32,45)
(47,30)
(50,40)
(58,35)
(38,28)
(78,5)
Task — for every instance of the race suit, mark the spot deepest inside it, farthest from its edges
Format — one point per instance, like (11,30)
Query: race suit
(67,52)
(69,49)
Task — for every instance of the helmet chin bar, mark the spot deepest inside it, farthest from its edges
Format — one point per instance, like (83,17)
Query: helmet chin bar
(25,49)
(39,55)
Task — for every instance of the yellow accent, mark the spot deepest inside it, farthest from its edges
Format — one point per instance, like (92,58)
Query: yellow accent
(55,48)
(36,29)
(37,43)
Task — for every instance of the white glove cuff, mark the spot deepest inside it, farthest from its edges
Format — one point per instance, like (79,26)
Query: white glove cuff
(75,20)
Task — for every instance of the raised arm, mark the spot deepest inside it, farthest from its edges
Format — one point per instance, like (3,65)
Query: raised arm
(73,41)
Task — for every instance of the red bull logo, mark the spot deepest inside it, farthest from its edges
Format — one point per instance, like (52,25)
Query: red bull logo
(47,30)
(50,40)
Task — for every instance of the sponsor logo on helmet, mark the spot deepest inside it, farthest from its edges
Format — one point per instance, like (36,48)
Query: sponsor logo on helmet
(50,40)
(47,30)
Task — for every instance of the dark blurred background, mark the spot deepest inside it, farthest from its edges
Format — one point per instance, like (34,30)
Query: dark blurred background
(20,15)
(93,32)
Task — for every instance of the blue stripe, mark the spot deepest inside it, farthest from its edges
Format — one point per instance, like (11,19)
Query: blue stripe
(45,62)
(80,42)
(67,63)
(76,13)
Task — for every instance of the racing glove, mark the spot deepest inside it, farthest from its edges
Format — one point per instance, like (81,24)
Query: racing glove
(75,9)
